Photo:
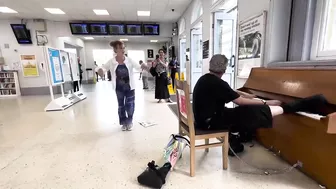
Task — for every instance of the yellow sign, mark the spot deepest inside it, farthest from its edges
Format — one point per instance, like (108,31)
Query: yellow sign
(29,65)
(182,76)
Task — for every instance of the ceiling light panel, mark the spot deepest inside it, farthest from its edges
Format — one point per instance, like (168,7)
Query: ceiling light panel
(101,12)
(143,13)
(7,10)
(54,10)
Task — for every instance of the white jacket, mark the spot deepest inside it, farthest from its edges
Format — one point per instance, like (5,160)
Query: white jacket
(130,64)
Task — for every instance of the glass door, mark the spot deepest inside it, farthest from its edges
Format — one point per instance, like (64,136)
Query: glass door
(196,54)
(224,40)
(183,54)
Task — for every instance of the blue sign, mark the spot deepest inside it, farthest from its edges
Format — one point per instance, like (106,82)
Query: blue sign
(56,72)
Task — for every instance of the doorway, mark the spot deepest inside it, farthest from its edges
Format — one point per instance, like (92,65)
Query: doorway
(102,56)
(183,54)
(136,55)
(196,57)
(224,36)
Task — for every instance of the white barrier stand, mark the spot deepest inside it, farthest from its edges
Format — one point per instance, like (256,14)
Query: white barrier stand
(58,104)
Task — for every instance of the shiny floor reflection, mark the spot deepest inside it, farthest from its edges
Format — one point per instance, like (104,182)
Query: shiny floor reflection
(84,148)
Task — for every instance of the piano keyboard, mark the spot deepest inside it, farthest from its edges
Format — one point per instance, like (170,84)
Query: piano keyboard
(313,116)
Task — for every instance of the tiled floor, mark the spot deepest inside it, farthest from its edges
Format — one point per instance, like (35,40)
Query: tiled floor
(83,148)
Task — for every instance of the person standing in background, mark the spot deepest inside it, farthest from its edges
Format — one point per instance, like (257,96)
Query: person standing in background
(80,72)
(96,70)
(122,73)
(173,66)
(144,76)
(161,80)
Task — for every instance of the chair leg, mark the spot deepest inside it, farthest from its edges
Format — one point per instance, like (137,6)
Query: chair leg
(206,143)
(225,151)
(192,158)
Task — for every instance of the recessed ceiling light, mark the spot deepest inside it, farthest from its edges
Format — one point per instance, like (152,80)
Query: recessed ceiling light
(7,10)
(88,38)
(101,12)
(54,10)
(143,13)
(153,41)
(123,39)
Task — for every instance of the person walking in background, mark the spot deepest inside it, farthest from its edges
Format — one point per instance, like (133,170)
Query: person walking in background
(144,75)
(122,74)
(161,80)
(96,70)
(173,66)
(80,72)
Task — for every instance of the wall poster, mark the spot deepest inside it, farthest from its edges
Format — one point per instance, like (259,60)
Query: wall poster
(206,48)
(150,53)
(66,66)
(55,66)
(29,65)
(251,44)
(74,66)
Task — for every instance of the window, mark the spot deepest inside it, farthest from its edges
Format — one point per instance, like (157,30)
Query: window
(324,39)
(197,11)
(182,26)
(329,41)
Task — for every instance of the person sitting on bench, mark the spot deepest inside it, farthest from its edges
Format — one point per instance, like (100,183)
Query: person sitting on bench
(211,93)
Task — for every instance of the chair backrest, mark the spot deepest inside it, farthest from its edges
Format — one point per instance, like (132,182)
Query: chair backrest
(185,113)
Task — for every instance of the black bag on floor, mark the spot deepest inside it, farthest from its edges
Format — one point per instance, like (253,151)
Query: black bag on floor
(154,176)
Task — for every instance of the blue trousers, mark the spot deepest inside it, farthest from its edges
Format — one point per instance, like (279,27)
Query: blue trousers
(125,106)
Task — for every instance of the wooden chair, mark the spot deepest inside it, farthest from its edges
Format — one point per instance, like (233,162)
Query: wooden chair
(186,127)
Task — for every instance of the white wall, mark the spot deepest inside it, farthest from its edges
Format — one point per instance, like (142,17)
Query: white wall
(91,45)
(12,54)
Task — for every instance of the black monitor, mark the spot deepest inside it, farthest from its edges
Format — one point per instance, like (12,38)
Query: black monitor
(134,29)
(98,29)
(79,28)
(21,33)
(151,29)
(116,29)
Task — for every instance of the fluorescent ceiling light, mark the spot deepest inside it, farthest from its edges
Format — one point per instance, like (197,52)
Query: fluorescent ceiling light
(143,13)
(153,41)
(54,10)
(101,12)
(123,39)
(7,10)
(88,38)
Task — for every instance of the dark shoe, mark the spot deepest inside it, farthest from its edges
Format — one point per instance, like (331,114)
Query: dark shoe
(313,104)
(235,144)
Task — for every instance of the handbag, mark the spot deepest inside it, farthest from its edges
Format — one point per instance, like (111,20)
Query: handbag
(169,81)
(153,72)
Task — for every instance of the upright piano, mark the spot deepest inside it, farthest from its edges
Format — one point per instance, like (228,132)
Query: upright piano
(300,137)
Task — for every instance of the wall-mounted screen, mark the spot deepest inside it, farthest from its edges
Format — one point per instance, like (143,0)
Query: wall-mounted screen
(151,29)
(116,29)
(98,29)
(79,28)
(21,33)
(134,29)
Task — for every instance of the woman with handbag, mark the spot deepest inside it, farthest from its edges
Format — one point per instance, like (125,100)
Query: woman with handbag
(161,79)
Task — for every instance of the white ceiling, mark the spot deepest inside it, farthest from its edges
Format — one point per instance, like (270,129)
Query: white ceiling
(120,10)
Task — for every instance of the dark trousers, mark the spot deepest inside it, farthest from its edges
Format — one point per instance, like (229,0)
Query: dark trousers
(75,86)
(172,75)
(126,106)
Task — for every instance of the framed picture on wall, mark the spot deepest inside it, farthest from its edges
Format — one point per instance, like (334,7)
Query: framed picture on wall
(150,53)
